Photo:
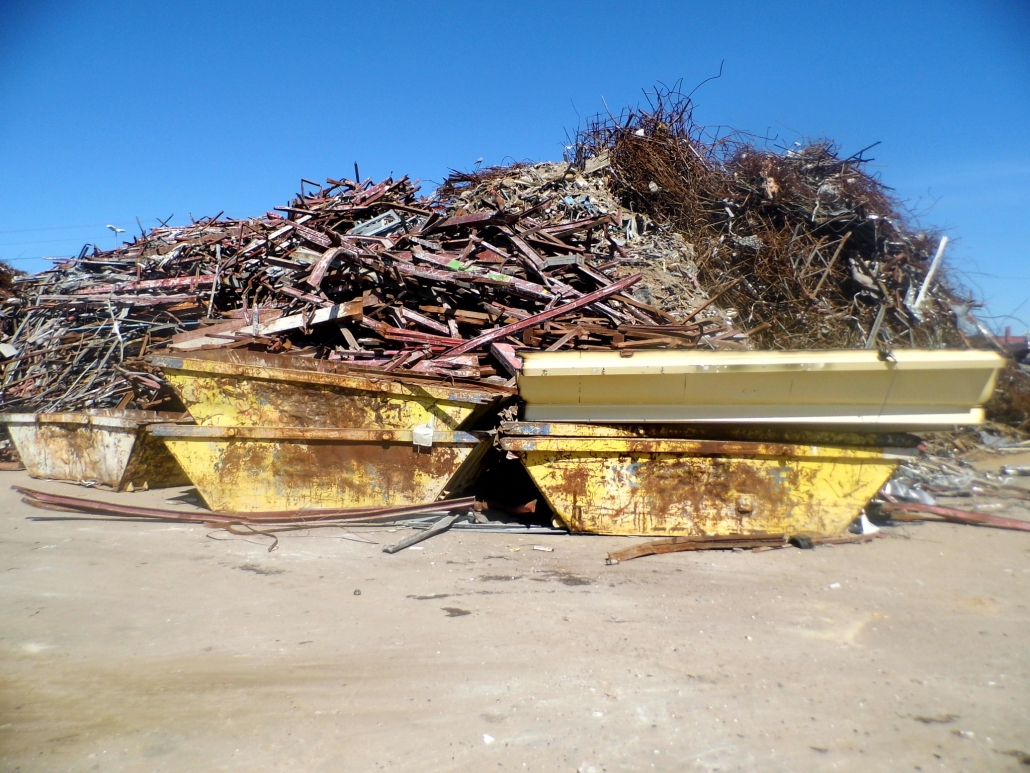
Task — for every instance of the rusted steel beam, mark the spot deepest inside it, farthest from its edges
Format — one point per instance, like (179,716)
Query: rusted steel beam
(397,334)
(915,512)
(516,327)
(517,286)
(423,320)
(192,282)
(729,542)
(82,504)
(681,544)
(312,235)
(129,300)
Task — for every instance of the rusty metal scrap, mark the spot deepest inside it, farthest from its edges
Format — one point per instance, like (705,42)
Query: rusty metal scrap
(818,249)
(453,286)
(266,524)
(47,501)
(911,511)
(729,542)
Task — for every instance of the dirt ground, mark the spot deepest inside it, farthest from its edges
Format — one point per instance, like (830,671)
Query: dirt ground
(155,647)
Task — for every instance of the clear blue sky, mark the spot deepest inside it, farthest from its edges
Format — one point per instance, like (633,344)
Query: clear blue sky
(111,109)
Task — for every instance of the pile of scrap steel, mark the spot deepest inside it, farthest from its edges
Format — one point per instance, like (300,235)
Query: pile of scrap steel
(820,255)
(649,236)
(8,456)
(1010,405)
(352,272)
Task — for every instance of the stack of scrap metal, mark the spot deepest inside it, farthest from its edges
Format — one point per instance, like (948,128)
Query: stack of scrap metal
(350,349)
(821,253)
(352,272)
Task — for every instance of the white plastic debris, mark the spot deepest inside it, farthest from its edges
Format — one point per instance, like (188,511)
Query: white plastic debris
(867,526)
(422,435)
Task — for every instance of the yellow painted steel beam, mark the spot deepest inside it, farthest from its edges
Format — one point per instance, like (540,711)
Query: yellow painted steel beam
(905,388)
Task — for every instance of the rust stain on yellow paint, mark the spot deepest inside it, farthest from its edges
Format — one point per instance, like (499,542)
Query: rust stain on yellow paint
(680,487)
(248,389)
(254,469)
(103,446)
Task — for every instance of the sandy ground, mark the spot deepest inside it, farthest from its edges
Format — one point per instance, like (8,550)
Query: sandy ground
(156,647)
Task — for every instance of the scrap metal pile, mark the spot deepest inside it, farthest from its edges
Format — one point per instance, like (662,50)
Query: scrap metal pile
(364,273)
(652,234)
(1010,405)
(819,254)
(366,312)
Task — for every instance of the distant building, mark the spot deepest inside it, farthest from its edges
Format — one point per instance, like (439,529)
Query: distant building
(1017,346)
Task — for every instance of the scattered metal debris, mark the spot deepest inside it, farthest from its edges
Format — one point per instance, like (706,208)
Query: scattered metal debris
(909,511)
(653,234)
(728,542)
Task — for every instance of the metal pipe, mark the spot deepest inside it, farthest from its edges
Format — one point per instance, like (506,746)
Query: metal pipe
(931,273)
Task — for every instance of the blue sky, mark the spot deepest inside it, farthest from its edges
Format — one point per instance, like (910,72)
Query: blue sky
(112,110)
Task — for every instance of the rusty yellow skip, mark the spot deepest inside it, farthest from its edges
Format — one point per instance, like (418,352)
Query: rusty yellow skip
(289,433)
(618,480)
(249,389)
(107,446)
(258,469)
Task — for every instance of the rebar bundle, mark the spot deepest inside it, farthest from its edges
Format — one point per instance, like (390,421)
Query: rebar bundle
(819,252)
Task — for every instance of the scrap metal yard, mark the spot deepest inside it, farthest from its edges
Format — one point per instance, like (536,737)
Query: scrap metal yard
(689,452)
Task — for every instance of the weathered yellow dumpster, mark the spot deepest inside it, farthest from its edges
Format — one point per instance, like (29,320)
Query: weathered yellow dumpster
(103,446)
(255,469)
(618,480)
(230,388)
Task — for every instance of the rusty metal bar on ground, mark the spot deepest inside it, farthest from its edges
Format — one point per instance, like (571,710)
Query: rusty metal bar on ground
(36,498)
(729,542)
(904,511)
